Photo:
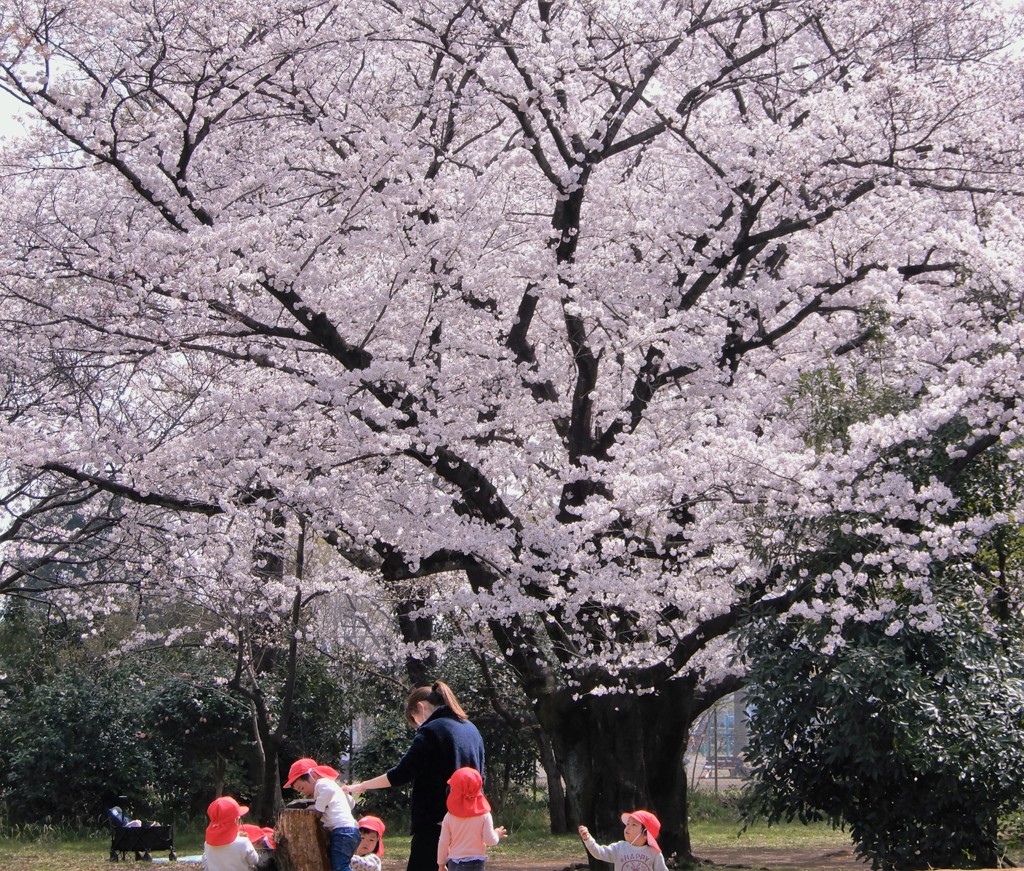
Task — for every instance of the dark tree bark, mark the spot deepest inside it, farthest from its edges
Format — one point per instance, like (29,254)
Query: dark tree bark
(624,752)
(417,629)
(558,811)
(258,651)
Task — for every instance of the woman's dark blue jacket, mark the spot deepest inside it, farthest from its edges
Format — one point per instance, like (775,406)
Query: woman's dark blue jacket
(441,745)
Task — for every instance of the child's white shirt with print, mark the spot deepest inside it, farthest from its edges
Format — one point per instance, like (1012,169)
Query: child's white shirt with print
(626,857)
(369,862)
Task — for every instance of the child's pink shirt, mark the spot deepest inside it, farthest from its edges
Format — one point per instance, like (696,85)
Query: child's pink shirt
(465,838)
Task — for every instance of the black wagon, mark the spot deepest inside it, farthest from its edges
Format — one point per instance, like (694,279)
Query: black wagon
(135,837)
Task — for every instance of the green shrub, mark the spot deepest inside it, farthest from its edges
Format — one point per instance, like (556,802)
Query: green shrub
(914,741)
(524,813)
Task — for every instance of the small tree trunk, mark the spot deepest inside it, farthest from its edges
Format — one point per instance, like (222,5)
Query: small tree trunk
(270,802)
(556,791)
(220,769)
(417,629)
(301,844)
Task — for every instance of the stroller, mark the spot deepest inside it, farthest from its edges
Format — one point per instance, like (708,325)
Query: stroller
(131,836)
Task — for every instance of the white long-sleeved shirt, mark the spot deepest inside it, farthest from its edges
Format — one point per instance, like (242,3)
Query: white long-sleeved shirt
(626,857)
(239,855)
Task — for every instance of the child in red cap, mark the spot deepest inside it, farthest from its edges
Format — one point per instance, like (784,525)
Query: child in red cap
(467,830)
(227,847)
(638,852)
(262,838)
(371,845)
(309,778)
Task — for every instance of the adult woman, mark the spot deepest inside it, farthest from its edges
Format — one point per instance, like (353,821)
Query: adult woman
(445,741)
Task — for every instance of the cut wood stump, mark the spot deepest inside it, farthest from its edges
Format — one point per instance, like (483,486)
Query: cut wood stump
(301,842)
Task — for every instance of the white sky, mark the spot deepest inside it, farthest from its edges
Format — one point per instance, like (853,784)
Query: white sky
(9,109)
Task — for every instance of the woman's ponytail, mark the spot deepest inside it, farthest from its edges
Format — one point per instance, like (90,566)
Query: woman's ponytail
(438,695)
(441,691)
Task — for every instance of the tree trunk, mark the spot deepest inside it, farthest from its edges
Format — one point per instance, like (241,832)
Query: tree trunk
(270,799)
(220,769)
(620,753)
(417,628)
(301,841)
(557,810)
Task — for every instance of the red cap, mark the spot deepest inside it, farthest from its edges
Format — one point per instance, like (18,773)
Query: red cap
(302,767)
(257,834)
(466,798)
(650,822)
(223,813)
(374,824)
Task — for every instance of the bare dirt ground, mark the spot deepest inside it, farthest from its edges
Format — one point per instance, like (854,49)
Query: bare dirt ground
(759,859)
(784,857)
(753,859)
(726,859)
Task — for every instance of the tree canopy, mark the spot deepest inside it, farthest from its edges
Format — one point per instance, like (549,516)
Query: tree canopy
(513,304)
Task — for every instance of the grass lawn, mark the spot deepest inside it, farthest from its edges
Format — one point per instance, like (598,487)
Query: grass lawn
(526,845)
(713,830)
(788,834)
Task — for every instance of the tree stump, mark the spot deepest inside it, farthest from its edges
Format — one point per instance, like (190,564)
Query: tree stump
(300,841)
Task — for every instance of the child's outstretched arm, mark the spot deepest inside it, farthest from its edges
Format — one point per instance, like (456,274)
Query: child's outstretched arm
(605,854)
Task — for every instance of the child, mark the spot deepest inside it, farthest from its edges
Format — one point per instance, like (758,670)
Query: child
(262,838)
(467,830)
(638,852)
(227,847)
(335,808)
(371,845)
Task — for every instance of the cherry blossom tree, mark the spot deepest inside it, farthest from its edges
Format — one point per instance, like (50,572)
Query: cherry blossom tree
(516,305)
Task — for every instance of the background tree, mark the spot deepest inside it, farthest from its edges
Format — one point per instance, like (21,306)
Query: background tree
(79,728)
(508,302)
(910,737)
(200,733)
(87,715)
(252,606)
